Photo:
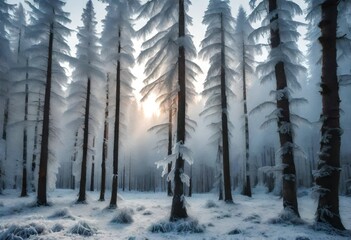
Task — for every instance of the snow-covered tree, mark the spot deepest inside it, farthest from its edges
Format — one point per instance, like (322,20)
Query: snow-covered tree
(20,86)
(84,89)
(170,73)
(47,29)
(283,66)
(218,48)
(118,54)
(244,49)
(328,174)
(5,62)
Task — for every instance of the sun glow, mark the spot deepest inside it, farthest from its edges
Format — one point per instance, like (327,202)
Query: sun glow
(150,107)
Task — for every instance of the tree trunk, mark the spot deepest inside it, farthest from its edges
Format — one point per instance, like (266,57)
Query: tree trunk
(225,132)
(83,170)
(44,150)
(104,146)
(92,174)
(247,184)
(35,145)
(124,178)
(24,192)
(178,210)
(191,182)
(170,143)
(113,202)
(329,164)
(74,158)
(286,138)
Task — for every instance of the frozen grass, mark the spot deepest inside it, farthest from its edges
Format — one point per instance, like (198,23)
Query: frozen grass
(211,204)
(62,213)
(286,217)
(16,232)
(254,218)
(181,226)
(123,216)
(57,227)
(82,228)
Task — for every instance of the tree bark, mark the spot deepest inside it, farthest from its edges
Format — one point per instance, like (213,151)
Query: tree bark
(329,163)
(225,132)
(285,138)
(92,174)
(178,210)
(44,150)
(35,145)
(24,192)
(83,170)
(104,146)
(247,183)
(113,202)
(170,143)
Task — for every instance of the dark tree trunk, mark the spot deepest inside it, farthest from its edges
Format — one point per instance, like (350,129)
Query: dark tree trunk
(286,138)
(225,132)
(178,210)
(35,145)
(113,202)
(170,143)
(104,146)
(24,192)
(83,170)
(44,150)
(92,174)
(191,182)
(329,164)
(247,184)
(124,178)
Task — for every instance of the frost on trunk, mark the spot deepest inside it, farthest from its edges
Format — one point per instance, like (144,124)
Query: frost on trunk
(328,173)
(283,67)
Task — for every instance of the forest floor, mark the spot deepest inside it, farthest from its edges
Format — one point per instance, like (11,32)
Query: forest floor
(247,218)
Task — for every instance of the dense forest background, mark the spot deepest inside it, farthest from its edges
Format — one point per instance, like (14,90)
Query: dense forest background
(84,50)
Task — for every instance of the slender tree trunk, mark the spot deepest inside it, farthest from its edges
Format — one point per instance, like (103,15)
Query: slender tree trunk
(286,138)
(74,158)
(329,164)
(92,174)
(113,202)
(178,210)
(247,183)
(124,178)
(24,192)
(104,146)
(170,143)
(130,175)
(83,170)
(220,173)
(191,181)
(35,145)
(225,132)
(44,150)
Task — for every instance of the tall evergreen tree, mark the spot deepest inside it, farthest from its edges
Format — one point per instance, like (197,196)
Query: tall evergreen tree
(87,76)
(170,71)
(118,53)
(218,48)
(244,48)
(5,62)
(328,174)
(283,66)
(47,29)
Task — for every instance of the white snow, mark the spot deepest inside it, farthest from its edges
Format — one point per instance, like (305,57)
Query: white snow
(247,218)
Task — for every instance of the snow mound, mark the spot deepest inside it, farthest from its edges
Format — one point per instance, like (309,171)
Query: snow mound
(124,216)
(17,232)
(323,227)
(181,226)
(211,204)
(140,208)
(83,228)
(254,218)
(62,213)
(235,231)
(57,228)
(286,217)
(147,213)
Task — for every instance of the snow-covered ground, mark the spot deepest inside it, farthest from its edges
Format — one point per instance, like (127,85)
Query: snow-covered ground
(247,218)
